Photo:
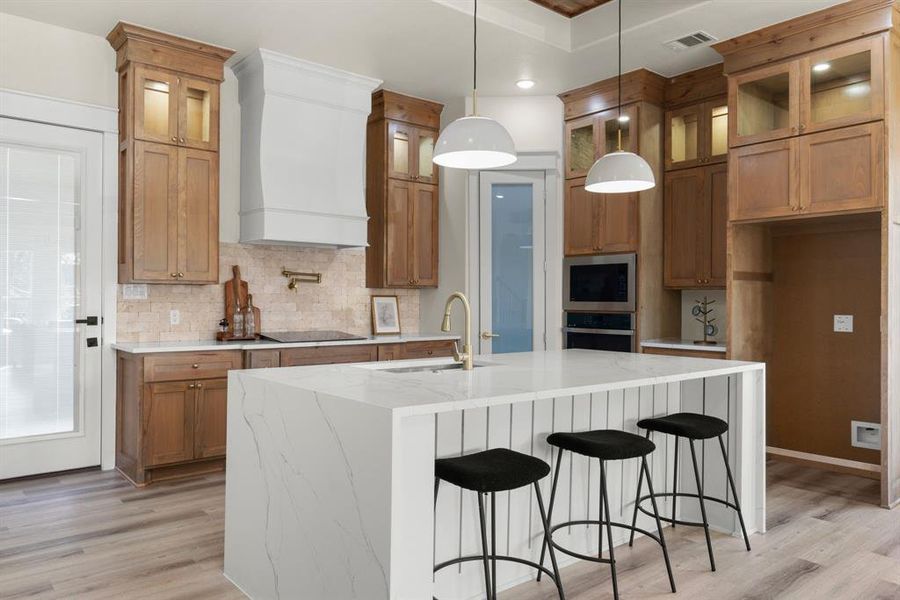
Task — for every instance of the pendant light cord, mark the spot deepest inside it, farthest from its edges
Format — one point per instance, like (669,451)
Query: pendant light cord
(619,120)
(475,60)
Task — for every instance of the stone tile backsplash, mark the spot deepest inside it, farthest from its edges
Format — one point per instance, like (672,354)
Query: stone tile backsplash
(341,301)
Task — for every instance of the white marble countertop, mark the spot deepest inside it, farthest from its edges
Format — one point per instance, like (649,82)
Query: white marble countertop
(678,344)
(205,346)
(502,378)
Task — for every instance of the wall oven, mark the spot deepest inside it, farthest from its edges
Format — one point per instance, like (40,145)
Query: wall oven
(600,283)
(600,331)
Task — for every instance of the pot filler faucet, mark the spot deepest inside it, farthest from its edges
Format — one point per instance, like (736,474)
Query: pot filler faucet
(466,356)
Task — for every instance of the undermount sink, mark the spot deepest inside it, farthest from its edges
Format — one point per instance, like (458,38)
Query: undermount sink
(432,368)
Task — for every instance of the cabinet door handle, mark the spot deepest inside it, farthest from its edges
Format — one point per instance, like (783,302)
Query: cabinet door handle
(174,139)
(173,274)
(181,140)
(181,275)
(199,385)
(195,366)
(191,386)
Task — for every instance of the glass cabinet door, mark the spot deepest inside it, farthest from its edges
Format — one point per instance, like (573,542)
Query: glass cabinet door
(764,104)
(198,124)
(581,148)
(400,144)
(684,137)
(610,124)
(155,106)
(716,130)
(425,169)
(842,86)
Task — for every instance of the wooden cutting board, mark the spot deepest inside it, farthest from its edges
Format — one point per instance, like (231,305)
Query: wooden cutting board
(243,291)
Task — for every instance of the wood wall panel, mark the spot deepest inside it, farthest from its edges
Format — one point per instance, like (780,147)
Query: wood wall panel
(820,380)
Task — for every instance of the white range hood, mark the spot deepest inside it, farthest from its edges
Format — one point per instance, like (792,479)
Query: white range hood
(303,151)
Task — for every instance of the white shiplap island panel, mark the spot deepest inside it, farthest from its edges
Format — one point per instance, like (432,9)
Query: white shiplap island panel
(329,488)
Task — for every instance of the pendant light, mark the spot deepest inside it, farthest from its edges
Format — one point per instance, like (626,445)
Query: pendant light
(620,172)
(474,142)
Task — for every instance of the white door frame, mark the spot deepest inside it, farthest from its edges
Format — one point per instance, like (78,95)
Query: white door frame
(549,164)
(102,119)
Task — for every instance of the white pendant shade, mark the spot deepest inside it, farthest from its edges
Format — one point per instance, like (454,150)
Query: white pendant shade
(474,143)
(618,173)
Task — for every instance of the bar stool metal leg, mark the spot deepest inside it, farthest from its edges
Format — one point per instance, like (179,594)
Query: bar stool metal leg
(662,539)
(484,548)
(712,560)
(612,554)
(550,508)
(493,546)
(437,484)
(737,502)
(675,482)
(546,522)
(637,498)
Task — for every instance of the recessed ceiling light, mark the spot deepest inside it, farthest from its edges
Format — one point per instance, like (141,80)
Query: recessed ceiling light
(499,196)
(821,67)
(624,118)
(525,84)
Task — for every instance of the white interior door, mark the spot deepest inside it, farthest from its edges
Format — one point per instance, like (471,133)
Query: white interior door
(511,262)
(50,244)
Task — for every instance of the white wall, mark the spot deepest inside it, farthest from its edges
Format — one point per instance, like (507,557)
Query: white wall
(534,122)
(62,63)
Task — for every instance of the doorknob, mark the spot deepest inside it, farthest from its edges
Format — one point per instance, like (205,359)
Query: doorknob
(486,335)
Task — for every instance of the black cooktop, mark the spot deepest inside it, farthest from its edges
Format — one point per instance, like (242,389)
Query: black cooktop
(327,335)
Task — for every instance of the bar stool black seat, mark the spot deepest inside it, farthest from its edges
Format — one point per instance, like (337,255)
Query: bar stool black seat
(604,445)
(488,472)
(693,427)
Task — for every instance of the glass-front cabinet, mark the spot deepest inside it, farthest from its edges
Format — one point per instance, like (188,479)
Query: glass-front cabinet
(697,134)
(842,86)
(764,104)
(177,110)
(836,87)
(590,137)
(410,152)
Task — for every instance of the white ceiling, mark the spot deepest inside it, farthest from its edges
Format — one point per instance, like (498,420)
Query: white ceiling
(423,47)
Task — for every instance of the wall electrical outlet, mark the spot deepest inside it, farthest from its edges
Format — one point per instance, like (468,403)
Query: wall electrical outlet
(843,323)
(134,291)
(174,317)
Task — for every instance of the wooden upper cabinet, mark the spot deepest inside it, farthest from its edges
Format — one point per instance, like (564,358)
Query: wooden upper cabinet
(210,416)
(168,159)
(198,216)
(842,170)
(588,138)
(402,191)
(398,242)
(580,236)
(155,105)
(198,113)
(842,85)
(686,224)
(764,104)
(697,134)
(763,180)
(425,235)
(696,221)
(152,230)
(617,216)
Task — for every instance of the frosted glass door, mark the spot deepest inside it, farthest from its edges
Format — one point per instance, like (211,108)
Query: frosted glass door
(49,280)
(512,258)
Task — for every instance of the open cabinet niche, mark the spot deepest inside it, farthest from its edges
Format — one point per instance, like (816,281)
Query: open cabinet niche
(788,281)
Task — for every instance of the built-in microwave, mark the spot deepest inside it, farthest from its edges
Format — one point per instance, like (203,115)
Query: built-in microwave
(600,283)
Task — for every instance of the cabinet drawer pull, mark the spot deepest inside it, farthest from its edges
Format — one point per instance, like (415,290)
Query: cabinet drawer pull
(195,366)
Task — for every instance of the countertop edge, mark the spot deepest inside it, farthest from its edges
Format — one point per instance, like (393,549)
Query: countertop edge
(684,345)
(206,346)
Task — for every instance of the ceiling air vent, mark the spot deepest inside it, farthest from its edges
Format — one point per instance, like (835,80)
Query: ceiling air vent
(699,38)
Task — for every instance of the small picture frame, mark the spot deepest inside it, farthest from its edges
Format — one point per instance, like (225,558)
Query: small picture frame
(385,315)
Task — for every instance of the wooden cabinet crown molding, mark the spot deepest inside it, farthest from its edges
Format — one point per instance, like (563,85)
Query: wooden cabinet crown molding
(168,51)
(409,109)
(833,25)
(696,86)
(637,86)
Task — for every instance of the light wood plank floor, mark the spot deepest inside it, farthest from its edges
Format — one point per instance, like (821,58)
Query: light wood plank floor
(92,535)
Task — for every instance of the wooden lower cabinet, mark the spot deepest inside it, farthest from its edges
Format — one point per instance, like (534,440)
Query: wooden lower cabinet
(432,349)
(599,223)
(168,427)
(696,222)
(391,352)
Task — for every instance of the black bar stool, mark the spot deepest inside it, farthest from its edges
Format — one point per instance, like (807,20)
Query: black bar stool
(694,427)
(605,445)
(489,472)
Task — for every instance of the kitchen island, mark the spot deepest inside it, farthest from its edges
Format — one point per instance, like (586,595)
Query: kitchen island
(330,477)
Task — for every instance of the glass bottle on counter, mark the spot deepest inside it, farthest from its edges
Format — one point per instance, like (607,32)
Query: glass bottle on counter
(248,318)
